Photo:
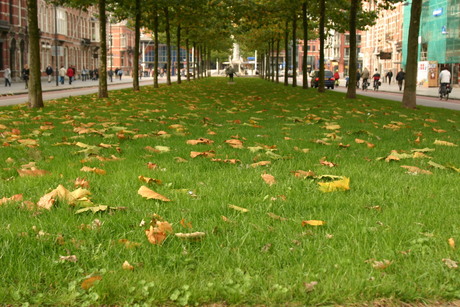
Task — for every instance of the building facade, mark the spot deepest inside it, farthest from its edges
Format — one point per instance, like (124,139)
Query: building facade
(439,39)
(382,43)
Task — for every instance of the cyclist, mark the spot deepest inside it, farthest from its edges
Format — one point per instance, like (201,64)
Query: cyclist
(376,78)
(444,80)
(336,77)
(365,76)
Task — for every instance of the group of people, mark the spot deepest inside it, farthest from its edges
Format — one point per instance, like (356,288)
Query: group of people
(400,76)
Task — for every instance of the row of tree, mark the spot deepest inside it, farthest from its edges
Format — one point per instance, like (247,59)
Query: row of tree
(210,25)
(265,25)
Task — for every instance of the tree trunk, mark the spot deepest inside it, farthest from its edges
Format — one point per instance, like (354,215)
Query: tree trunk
(410,96)
(322,12)
(103,93)
(187,46)
(267,59)
(136,46)
(286,52)
(305,45)
(179,81)
(277,61)
(351,92)
(35,84)
(294,49)
(155,59)
(195,71)
(168,46)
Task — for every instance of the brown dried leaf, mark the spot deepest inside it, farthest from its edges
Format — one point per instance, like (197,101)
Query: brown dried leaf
(93,170)
(4,200)
(269,179)
(261,163)
(89,282)
(150,194)
(415,170)
(235,143)
(200,141)
(126,266)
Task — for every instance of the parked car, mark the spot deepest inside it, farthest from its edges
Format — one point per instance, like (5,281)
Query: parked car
(329,80)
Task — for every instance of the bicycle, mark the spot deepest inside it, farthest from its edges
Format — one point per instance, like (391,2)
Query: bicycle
(365,85)
(444,91)
(376,85)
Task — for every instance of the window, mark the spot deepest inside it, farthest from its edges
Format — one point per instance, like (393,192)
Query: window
(61,22)
(123,40)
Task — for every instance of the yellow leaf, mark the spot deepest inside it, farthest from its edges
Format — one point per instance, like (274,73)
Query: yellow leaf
(191,236)
(238,208)
(451,243)
(444,143)
(381,265)
(150,194)
(276,217)
(269,179)
(332,127)
(338,185)
(127,266)
(313,223)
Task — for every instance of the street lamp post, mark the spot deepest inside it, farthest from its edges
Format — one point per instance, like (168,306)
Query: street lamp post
(56,45)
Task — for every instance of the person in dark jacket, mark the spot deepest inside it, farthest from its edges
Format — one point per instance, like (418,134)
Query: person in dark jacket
(25,75)
(400,78)
(49,72)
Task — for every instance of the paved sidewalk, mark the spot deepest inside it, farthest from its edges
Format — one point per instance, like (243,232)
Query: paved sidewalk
(421,91)
(18,88)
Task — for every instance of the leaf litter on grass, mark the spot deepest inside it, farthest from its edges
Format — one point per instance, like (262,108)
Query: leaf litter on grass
(281,134)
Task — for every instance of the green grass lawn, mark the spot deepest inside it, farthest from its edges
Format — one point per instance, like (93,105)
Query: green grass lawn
(389,235)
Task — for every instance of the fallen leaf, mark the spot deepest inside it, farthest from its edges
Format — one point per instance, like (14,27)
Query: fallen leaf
(93,170)
(235,143)
(81,182)
(191,236)
(303,174)
(200,141)
(128,244)
(444,143)
(313,223)
(451,264)
(338,185)
(90,281)
(149,180)
(310,286)
(381,265)
(126,266)
(150,194)
(34,172)
(415,170)
(436,165)
(205,154)
(261,163)
(70,258)
(4,200)
(238,208)
(451,242)
(276,217)
(269,179)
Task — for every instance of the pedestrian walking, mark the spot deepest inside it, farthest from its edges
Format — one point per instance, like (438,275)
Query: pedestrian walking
(96,74)
(62,73)
(389,76)
(358,76)
(7,76)
(120,73)
(25,75)
(70,74)
(110,73)
(74,72)
(400,76)
(49,72)
(84,74)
